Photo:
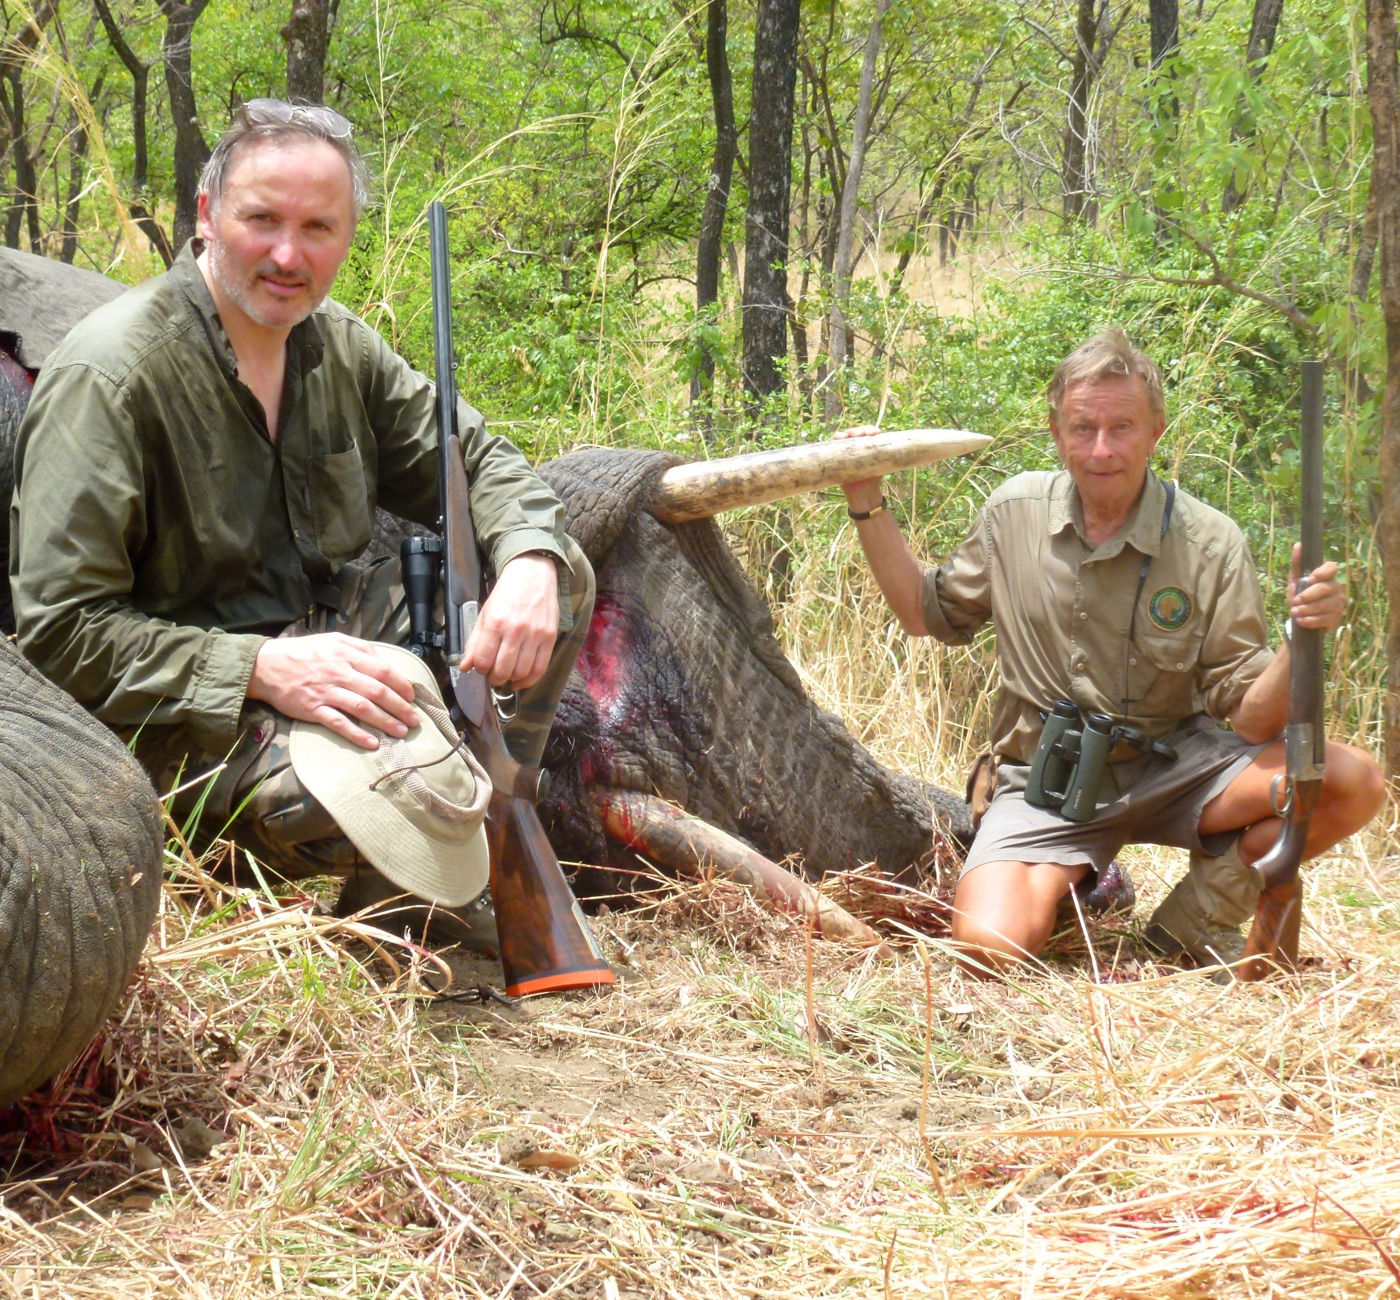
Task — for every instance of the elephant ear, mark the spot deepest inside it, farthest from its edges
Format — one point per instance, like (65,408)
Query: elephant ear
(602,488)
(80,871)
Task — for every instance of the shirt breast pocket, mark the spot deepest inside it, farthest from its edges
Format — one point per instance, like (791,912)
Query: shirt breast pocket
(340,507)
(1162,673)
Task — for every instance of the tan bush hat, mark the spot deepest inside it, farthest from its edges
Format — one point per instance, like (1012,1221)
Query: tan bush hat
(413,807)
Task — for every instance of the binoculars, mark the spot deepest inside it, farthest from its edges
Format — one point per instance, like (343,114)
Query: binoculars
(1068,768)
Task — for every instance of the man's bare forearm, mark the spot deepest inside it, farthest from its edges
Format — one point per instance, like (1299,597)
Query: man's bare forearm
(1263,711)
(899,575)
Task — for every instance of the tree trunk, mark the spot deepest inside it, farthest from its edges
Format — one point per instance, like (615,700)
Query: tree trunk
(308,37)
(711,242)
(770,181)
(1165,40)
(77,160)
(24,207)
(801,357)
(834,403)
(1383,88)
(137,205)
(1262,32)
(22,197)
(1075,152)
(191,148)
(24,211)
(1165,29)
(801,362)
(1362,266)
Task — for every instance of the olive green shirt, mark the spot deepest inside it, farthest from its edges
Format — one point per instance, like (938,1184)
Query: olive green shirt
(1067,625)
(159,536)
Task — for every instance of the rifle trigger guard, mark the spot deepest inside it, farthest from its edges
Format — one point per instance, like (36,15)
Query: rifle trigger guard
(1282,803)
(507,704)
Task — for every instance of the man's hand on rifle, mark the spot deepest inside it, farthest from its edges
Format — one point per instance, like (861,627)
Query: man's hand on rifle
(1322,602)
(335,680)
(518,625)
(1261,714)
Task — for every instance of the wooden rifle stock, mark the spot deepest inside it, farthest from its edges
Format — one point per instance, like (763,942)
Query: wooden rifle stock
(546,944)
(1273,938)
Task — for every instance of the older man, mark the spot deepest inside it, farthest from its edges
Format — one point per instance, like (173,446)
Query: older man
(200,465)
(1126,597)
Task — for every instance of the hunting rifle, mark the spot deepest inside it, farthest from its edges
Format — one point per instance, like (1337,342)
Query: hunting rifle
(1273,938)
(546,944)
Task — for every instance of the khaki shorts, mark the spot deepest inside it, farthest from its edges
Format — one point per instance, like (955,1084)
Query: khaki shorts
(1148,800)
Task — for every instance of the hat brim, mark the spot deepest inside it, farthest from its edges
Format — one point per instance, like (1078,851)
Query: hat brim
(450,870)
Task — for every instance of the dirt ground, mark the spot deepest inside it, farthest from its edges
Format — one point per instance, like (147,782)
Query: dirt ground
(285,1109)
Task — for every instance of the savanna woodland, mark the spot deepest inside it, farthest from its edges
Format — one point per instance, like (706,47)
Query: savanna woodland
(703,228)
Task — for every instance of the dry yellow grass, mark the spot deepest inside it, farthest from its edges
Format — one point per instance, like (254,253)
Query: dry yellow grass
(281,1108)
(276,1113)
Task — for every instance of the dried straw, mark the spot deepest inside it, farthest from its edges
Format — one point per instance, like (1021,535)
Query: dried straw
(280,1108)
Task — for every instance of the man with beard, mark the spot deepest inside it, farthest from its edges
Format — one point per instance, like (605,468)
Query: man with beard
(198,468)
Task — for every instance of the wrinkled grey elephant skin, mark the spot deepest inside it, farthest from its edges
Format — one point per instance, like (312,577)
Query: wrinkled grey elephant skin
(40,301)
(15,386)
(683,691)
(80,870)
(80,828)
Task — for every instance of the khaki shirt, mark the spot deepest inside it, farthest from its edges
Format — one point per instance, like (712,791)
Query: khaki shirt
(1063,610)
(159,536)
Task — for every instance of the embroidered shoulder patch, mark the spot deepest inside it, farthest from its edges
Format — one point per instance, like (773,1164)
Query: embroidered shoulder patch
(1170,608)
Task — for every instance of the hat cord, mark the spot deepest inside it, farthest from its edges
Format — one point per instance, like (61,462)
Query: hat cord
(458,748)
(411,772)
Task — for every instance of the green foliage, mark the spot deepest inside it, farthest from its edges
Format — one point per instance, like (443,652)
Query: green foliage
(573,145)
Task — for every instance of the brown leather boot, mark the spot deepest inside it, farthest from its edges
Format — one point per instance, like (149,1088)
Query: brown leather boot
(1112,893)
(1204,911)
(472,927)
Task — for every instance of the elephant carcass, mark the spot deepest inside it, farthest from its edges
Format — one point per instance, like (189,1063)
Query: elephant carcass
(80,869)
(80,827)
(682,691)
(40,301)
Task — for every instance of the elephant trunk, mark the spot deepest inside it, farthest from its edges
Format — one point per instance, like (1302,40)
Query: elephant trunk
(669,836)
(80,873)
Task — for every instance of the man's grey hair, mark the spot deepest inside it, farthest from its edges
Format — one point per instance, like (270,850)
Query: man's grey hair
(1104,356)
(275,119)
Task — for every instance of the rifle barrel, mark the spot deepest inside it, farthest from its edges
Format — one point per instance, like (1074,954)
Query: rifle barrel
(1273,939)
(546,944)
(1310,458)
(1307,738)
(444,364)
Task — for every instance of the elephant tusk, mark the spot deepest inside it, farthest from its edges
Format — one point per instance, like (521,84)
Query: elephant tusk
(677,840)
(707,487)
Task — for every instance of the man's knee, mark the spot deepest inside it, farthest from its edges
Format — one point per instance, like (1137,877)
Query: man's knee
(1003,912)
(582,585)
(983,949)
(1353,789)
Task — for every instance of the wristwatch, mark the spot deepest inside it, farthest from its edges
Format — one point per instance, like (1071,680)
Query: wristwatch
(861,515)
